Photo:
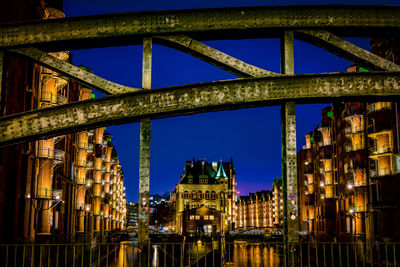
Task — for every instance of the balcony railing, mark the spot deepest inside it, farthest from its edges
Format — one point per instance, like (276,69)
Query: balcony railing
(81,163)
(61,100)
(47,193)
(360,208)
(325,143)
(53,98)
(350,148)
(83,145)
(80,180)
(381,172)
(45,153)
(354,129)
(374,107)
(89,164)
(362,182)
(324,170)
(59,155)
(90,147)
(381,149)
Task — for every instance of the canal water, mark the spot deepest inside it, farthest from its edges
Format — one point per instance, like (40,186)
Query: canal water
(238,253)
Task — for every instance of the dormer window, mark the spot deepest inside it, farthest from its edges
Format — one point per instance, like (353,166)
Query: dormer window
(190,179)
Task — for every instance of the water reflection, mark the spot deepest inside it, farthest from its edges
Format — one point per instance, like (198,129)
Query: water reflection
(238,253)
(256,254)
(125,255)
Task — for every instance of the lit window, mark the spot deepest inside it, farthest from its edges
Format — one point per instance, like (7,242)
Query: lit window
(197,217)
(205,217)
(211,217)
(192,217)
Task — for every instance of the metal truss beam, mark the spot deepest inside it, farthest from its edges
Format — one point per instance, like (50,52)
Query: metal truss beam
(202,24)
(212,56)
(84,77)
(144,154)
(346,50)
(2,84)
(197,98)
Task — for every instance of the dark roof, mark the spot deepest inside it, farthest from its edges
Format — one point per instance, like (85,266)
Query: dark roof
(259,195)
(201,169)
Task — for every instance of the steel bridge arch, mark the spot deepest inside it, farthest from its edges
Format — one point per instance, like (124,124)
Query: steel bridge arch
(320,25)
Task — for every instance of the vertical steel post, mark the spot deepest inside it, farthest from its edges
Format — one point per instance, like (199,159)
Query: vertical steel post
(2,84)
(289,163)
(144,161)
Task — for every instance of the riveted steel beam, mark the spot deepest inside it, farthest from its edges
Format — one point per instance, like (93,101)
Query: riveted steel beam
(212,56)
(197,98)
(347,50)
(202,24)
(84,77)
(144,154)
(2,84)
(289,162)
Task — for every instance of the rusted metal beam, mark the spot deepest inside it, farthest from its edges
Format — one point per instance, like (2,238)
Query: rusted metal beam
(220,23)
(144,155)
(289,162)
(2,84)
(84,77)
(212,56)
(197,98)
(347,50)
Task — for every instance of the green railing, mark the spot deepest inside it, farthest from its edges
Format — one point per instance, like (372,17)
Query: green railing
(202,253)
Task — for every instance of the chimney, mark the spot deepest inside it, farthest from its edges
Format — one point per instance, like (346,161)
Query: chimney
(215,166)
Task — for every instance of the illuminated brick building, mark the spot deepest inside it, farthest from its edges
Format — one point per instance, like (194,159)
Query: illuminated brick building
(350,190)
(64,188)
(261,209)
(205,189)
(348,170)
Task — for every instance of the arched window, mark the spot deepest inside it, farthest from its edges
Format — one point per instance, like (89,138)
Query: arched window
(186,194)
(199,195)
(213,195)
(207,195)
(193,194)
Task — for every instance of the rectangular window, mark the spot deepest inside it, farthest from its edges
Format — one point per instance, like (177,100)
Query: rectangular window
(197,217)
(205,217)
(192,217)
(211,217)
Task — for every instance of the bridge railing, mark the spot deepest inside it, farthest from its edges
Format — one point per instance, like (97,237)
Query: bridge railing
(202,253)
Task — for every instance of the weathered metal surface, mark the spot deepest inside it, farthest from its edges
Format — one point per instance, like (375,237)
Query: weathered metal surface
(144,181)
(2,84)
(346,50)
(222,23)
(196,98)
(289,169)
(144,156)
(84,77)
(213,56)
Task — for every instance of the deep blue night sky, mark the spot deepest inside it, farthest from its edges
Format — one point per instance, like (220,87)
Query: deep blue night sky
(250,136)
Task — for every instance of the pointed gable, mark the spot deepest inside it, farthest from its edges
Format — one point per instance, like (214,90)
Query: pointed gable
(221,172)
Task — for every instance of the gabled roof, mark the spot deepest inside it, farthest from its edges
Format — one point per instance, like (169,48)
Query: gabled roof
(221,172)
(199,170)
